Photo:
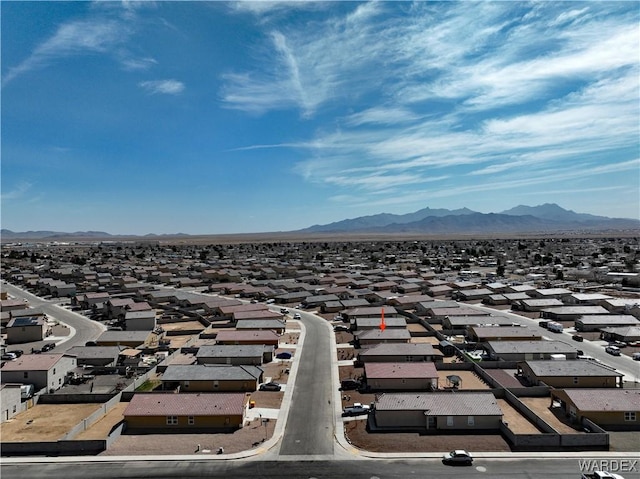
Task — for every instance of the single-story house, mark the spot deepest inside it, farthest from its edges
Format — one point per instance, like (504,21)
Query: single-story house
(586,299)
(96,355)
(132,339)
(528,350)
(570,374)
(425,308)
(203,378)
(441,313)
(399,352)
(185,413)
(464,322)
(438,411)
(248,354)
(482,334)
(617,409)
(401,376)
(365,323)
(261,324)
(377,336)
(472,294)
(624,333)
(247,337)
(535,305)
(42,370)
(371,311)
(569,313)
(600,321)
(547,293)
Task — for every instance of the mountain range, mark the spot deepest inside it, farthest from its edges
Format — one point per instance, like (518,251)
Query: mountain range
(546,218)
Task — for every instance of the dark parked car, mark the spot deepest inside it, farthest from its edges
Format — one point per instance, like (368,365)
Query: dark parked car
(458,456)
(48,347)
(270,387)
(283,355)
(340,327)
(577,337)
(350,385)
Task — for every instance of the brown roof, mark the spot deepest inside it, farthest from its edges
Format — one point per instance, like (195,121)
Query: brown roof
(186,404)
(612,400)
(400,370)
(33,362)
(246,335)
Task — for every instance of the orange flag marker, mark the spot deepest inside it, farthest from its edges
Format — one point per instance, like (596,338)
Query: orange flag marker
(382,325)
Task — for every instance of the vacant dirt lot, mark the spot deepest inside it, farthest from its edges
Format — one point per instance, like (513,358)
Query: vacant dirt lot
(249,437)
(45,422)
(356,433)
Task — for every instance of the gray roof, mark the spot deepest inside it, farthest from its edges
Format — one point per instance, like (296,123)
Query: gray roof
(260,324)
(391,322)
(614,400)
(202,372)
(442,404)
(577,310)
(95,352)
(609,319)
(502,347)
(232,351)
(111,336)
(391,333)
(400,349)
(471,320)
(574,368)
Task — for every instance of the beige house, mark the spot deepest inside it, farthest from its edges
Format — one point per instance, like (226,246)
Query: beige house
(212,378)
(402,376)
(617,409)
(569,374)
(185,413)
(438,412)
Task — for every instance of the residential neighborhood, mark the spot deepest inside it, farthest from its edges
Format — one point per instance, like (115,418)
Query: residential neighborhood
(447,340)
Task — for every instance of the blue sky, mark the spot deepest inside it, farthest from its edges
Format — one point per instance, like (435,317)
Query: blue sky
(219,117)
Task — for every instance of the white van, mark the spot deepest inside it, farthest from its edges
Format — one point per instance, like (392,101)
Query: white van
(555,327)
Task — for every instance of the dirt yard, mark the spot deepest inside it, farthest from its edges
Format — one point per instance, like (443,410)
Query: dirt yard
(356,433)
(249,437)
(45,422)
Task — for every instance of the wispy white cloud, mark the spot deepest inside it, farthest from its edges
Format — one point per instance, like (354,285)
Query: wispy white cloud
(19,191)
(166,87)
(76,37)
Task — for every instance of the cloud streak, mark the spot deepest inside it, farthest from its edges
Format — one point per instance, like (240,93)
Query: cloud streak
(164,87)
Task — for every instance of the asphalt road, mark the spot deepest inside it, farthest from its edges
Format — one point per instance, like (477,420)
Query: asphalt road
(303,469)
(310,423)
(623,364)
(85,328)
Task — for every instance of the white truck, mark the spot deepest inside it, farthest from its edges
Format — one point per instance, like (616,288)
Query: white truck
(601,475)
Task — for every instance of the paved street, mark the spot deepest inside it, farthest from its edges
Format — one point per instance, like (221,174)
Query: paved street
(83,329)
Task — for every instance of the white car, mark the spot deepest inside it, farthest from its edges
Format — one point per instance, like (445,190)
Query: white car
(459,456)
(296,316)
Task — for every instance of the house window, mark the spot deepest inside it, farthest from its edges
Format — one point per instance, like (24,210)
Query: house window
(450,421)
(15,408)
(54,370)
(630,416)
(471,421)
(172,420)
(186,384)
(26,374)
(191,420)
(216,384)
(227,420)
(575,380)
